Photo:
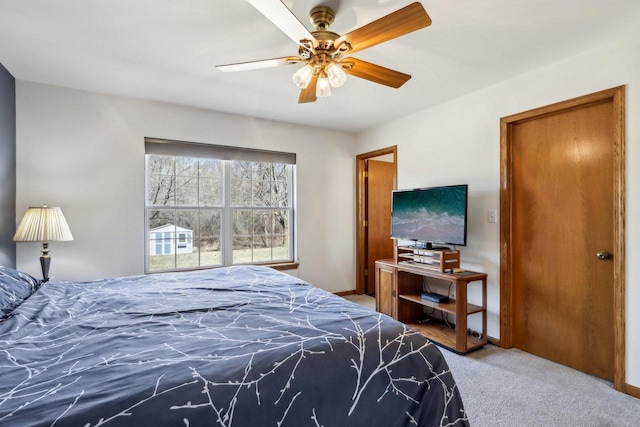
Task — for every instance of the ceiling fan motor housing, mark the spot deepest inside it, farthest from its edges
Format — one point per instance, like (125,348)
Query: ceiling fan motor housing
(321,17)
(325,46)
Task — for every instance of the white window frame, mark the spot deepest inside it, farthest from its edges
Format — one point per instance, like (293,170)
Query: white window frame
(227,155)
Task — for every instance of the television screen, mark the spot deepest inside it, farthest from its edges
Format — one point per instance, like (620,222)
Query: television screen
(430,215)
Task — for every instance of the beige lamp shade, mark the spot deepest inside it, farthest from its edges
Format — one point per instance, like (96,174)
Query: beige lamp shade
(44,224)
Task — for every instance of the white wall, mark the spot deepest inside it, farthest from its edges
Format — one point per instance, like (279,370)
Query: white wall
(84,152)
(459,142)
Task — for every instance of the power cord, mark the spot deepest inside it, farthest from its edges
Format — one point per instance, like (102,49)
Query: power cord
(425,285)
(445,319)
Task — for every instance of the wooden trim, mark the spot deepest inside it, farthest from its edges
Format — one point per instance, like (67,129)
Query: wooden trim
(345,293)
(619,260)
(360,232)
(284,266)
(494,341)
(632,390)
(505,235)
(361,210)
(615,95)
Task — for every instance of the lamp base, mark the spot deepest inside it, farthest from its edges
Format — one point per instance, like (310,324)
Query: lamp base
(45,262)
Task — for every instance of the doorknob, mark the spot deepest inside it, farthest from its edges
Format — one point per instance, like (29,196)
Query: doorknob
(603,255)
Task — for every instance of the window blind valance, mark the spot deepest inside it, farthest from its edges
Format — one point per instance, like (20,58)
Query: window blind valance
(169,147)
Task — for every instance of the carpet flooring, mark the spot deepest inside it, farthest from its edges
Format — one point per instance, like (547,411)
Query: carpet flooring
(501,387)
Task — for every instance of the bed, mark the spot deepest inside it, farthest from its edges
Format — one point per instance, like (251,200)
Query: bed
(235,346)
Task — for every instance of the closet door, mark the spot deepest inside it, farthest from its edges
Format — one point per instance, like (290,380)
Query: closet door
(562,237)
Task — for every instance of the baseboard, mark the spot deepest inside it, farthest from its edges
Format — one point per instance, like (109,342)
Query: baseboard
(494,341)
(632,390)
(345,293)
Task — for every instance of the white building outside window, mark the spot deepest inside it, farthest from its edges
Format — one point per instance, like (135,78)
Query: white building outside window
(210,205)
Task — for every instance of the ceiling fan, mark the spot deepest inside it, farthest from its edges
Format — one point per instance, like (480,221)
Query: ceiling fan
(324,53)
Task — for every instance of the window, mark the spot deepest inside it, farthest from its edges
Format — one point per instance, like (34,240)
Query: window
(210,206)
(182,240)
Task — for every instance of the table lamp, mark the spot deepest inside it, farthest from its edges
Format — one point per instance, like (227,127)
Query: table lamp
(44,224)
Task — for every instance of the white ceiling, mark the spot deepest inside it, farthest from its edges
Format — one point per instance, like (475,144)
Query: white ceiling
(167,49)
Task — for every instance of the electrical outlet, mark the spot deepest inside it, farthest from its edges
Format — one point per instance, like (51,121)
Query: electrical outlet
(452,295)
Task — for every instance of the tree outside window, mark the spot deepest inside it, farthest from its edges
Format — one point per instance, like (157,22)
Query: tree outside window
(196,218)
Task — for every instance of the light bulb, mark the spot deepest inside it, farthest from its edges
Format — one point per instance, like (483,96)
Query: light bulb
(302,77)
(323,89)
(336,75)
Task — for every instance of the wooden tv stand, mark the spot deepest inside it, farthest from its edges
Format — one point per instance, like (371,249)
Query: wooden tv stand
(398,294)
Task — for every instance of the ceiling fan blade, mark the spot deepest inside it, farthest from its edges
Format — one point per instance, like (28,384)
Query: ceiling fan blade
(309,93)
(396,24)
(375,73)
(281,16)
(255,65)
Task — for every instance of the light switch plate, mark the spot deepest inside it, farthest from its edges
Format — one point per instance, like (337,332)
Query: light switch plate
(492,216)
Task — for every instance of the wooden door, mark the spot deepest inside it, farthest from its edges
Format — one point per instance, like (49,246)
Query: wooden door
(380,183)
(562,207)
(362,262)
(386,289)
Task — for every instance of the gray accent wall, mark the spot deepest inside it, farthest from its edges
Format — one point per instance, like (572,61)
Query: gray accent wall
(7,167)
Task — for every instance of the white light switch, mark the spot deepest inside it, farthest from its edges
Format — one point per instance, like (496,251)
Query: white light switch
(492,216)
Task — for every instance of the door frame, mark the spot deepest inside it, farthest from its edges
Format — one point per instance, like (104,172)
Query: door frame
(361,233)
(615,95)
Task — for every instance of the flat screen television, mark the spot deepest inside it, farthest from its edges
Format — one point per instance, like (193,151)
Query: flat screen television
(434,215)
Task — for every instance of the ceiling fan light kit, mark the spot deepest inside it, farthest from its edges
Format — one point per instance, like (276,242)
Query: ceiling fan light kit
(336,75)
(323,88)
(302,77)
(323,52)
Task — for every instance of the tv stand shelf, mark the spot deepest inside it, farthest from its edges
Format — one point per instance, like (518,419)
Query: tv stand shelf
(441,334)
(448,307)
(398,294)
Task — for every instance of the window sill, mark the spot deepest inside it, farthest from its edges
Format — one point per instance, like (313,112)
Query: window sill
(283,266)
